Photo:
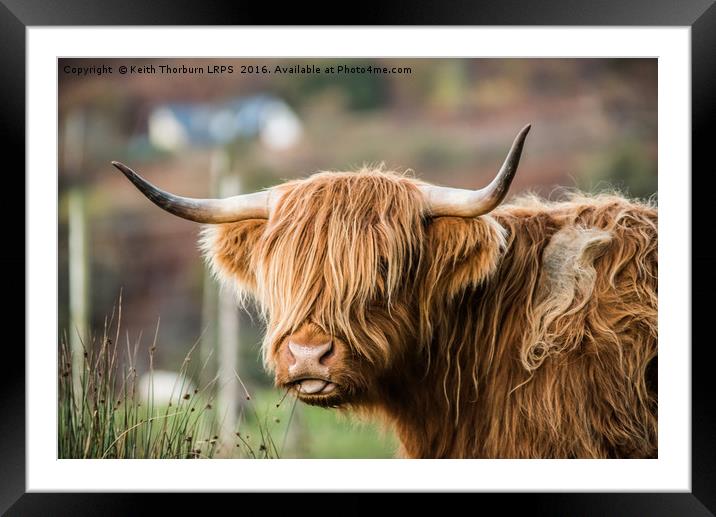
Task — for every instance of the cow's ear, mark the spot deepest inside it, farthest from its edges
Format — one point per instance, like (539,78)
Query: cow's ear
(464,252)
(228,251)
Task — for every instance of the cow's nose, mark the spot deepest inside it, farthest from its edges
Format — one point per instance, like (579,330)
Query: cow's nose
(309,357)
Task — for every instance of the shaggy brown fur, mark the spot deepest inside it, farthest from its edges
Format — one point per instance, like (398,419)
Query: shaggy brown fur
(527,333)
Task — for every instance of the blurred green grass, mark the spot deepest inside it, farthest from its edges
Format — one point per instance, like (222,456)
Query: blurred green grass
(302,431)
(105,411)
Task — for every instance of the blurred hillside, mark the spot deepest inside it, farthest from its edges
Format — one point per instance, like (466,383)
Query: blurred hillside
(449,120)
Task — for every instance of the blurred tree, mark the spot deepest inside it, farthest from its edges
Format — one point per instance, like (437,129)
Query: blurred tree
(361,91)
(626,168)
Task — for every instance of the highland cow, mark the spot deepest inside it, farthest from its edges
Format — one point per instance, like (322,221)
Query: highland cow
(474,329)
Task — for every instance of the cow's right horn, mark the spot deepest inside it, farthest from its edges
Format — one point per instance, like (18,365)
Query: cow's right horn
(237,208)
(446,201)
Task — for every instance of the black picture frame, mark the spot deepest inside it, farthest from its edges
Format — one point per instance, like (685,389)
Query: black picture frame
(700,15)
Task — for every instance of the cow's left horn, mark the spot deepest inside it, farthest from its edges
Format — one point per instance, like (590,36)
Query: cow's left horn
(230,209)
(445,201)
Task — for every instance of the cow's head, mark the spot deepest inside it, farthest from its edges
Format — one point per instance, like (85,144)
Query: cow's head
(348,267)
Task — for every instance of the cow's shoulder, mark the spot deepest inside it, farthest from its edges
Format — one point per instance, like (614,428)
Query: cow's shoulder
(596,259)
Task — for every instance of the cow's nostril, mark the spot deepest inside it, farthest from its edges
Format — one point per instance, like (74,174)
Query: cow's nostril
(291,357)
(326,354)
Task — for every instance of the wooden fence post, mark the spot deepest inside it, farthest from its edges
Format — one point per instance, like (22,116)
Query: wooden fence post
(74,158)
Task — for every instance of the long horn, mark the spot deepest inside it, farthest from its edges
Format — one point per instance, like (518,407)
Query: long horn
(230,209)
(445,201)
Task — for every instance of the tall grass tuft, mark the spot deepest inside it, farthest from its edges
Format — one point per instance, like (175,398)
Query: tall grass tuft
(104,415)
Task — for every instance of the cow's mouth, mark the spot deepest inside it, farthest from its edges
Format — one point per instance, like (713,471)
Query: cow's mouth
(314,387)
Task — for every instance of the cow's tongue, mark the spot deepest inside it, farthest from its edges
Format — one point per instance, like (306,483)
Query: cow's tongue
(312,385)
